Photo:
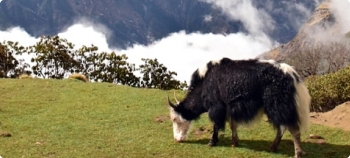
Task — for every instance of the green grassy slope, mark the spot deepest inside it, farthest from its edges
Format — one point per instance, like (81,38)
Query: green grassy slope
(70,118)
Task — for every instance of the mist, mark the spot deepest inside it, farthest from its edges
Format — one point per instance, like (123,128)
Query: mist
(341,11)
(331,32)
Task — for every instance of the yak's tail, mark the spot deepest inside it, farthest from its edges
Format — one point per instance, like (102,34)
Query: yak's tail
(302,98)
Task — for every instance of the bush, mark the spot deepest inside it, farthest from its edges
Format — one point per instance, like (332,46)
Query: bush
(329,90)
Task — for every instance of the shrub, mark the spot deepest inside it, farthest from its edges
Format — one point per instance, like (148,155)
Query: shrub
(329,90)
(80,77)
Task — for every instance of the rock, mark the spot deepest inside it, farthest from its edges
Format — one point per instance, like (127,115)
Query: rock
(314,136)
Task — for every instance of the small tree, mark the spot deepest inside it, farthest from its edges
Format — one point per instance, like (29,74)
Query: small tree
(117,70)
(9,65)
(337,56)
(306,62)
(90,62)
(156,75)
(53,57)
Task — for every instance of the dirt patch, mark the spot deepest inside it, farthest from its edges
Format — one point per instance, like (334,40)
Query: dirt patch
(339,117)
(316,139)
(161,119)
(5,134)
(201,131)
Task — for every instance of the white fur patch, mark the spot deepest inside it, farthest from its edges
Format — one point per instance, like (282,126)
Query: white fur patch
(202,71)
(287,69)
(214,62)
(267,61)
(181,126)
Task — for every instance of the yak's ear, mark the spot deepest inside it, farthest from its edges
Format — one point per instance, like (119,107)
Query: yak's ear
(171,104)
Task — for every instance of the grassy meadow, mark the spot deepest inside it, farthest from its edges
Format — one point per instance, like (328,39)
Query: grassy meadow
(70,118)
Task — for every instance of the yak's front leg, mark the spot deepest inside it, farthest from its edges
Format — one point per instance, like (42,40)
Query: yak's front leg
(278,138)
(217,114)
(234,126)
(215,138)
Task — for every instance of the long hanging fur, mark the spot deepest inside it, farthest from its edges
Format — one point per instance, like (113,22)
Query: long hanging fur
(302,98)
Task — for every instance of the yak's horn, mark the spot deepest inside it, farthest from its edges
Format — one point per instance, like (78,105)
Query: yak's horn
(177,101)
(171,104)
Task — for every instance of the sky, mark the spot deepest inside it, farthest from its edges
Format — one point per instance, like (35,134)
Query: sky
(179,52)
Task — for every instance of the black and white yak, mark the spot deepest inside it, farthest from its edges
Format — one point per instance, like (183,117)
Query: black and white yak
(239,92)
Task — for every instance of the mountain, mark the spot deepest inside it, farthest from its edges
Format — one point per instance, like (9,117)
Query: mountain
(321,28)
(128,22)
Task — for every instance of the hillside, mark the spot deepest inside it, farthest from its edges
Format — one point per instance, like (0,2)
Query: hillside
(339,117)
(70,118)
(128,22)
(321,28)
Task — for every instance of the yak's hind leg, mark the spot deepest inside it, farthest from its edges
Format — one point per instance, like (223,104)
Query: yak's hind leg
(235,139)
(295,131)
(276,142)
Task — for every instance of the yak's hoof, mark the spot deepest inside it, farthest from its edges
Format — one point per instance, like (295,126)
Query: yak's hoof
(212,143)
(299,154)
(235,144)
(273,149)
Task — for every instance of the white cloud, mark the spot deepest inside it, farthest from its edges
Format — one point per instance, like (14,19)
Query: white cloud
(332,32)
(341,10)
(184,53)
(208,18)
(80,34)
(17,34)
(254,20)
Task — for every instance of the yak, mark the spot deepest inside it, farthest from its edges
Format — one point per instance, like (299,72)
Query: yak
(240,92)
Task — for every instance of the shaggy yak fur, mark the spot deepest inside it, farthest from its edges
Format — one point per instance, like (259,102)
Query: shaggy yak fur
(239,92)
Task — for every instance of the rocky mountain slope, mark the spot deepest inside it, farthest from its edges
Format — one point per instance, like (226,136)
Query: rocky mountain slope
(143,21)
(321,29)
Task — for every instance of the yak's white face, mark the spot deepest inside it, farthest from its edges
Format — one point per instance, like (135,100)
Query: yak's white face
(180,126)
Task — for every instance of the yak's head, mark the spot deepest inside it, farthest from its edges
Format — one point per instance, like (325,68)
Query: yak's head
(181,126)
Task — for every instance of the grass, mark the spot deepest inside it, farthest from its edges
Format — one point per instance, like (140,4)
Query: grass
(70,118)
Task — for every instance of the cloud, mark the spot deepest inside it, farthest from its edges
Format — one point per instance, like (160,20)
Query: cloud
(254,20)
(85,34)
(336,26)
(208,18)
(341,12)
(184,53)
(17,34)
